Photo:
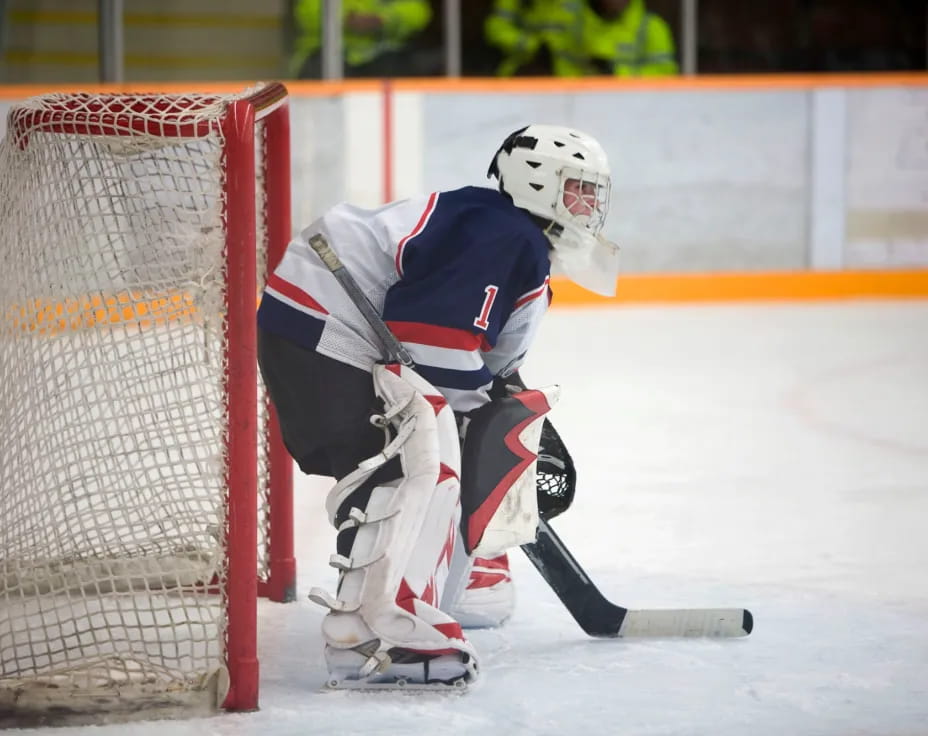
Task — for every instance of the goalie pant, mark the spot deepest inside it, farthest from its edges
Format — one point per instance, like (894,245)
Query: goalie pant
(397,513)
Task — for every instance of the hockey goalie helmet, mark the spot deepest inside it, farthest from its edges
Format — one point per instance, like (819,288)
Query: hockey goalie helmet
(562,176)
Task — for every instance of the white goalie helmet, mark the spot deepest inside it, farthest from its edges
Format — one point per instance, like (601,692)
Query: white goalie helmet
(562,176)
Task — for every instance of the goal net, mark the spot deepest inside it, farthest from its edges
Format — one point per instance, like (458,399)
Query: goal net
(144,489)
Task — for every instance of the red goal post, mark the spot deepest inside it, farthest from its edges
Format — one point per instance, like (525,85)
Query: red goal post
(144,486)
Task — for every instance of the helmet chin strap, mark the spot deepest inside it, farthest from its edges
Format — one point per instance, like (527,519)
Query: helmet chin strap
(588,260)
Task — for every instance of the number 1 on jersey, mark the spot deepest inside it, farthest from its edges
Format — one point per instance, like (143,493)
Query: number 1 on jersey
(483,320)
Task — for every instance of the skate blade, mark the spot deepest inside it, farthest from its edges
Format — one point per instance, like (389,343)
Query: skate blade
(456,687)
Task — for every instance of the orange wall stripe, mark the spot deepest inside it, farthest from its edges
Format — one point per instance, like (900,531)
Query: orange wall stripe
(734,287)
(484,85)
(713,82)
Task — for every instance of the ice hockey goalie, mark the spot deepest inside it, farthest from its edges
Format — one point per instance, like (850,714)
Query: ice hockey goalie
(409,542)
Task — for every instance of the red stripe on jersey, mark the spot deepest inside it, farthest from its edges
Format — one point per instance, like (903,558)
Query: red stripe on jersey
(534,294)
(433,335)
(429,207)
(291,291)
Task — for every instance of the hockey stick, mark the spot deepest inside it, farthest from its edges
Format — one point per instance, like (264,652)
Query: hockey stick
(595,614)
(601,618)
(396,353)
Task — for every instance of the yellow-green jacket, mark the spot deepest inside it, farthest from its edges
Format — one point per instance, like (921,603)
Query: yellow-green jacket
(520,28)
(401,19)
(634,44)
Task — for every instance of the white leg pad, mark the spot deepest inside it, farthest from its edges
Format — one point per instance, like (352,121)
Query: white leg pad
(398,565)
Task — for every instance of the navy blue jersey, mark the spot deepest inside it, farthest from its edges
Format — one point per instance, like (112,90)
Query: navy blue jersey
(460,277)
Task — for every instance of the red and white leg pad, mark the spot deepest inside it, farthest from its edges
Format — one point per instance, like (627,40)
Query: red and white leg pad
(384,625)
(489,598)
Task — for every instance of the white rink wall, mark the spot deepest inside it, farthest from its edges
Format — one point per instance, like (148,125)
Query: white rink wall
(707,178)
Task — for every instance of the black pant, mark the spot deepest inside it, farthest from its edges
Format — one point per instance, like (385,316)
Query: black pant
(324,406)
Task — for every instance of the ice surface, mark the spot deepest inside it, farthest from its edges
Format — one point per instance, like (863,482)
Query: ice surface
(767,456)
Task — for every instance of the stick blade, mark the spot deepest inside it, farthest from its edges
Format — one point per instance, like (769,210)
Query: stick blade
(687,622)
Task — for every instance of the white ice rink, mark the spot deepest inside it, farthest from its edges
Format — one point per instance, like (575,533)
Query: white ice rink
(773,457)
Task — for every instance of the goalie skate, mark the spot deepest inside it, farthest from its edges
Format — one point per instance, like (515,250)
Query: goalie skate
(398,669)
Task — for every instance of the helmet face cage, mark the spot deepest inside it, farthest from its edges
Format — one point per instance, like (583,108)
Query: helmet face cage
(583,198)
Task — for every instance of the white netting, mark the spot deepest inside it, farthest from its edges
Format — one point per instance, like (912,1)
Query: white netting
(112,402)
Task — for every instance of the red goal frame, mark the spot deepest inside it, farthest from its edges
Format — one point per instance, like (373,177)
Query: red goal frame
(175,116)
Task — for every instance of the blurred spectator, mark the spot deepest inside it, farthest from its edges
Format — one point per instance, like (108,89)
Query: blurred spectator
(374,42)
(539,37)
(627,40)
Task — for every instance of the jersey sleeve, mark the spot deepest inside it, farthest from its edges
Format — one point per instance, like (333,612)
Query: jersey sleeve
(507,355)
(452,303)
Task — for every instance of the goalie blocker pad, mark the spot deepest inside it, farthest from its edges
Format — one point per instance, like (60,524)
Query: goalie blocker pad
(499,506)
